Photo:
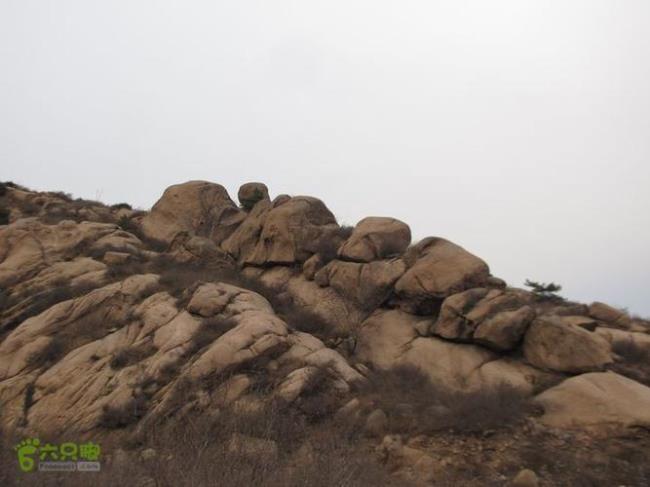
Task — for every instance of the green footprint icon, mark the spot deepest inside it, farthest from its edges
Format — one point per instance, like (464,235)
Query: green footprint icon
(24,449)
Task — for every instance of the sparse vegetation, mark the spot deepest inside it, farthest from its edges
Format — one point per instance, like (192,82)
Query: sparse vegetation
(305,320)
(473,436)
(92,326)
(415,405)
(41,301)
(328,245)
(48,355)
(28,401)
(121,206)
(4,186)
(130,355)
(210,329)
(4,300)
(635,362)
(4,216)
(128,225)
(116,417)
(543,291)
(67,197)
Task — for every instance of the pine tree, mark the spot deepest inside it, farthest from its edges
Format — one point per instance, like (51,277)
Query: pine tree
(544,291)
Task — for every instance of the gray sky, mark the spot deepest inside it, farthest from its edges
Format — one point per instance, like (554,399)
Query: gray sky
(519,129)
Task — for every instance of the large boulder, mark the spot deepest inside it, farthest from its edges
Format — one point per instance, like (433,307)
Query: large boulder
(552,344)
(198,207)
(367,284)
(504,330)
(281,232)
(389,338)
(596,400)
(376,238)
(384,336)
(512,372)
(257,334)
(251,193)
(609,315)
(620,339)
(492,317)
(440,269)
(242,242)
(213,299)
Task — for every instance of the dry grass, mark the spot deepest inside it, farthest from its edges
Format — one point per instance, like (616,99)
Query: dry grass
(415,405)
(197,449)
(614,460)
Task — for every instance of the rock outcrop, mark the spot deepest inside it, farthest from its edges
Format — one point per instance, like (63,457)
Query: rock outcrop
(439,269)
(597,400)
(251,193)
(492,317)
(273,304)
(554,345)
(376,238)
(200,207)
(281,233)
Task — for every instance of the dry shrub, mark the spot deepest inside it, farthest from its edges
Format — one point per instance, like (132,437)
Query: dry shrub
(90,327)
(631,351)
(117,417)
(202,452)
(302,319)
(182,279)
(123,270)
(4,216)
(27,305)
(126,356)
(415,405)
(195,451)
(49,355)
(121,206)
(210,329)
(608,461)
(635,362)
(327,246)
(177,276)
(318,401)
(130,225)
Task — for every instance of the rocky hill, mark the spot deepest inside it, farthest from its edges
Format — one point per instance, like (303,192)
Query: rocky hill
(212,343)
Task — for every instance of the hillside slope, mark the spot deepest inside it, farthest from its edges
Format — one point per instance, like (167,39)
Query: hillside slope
(208,342)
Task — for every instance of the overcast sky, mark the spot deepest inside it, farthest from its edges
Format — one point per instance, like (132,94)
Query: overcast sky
(518,129)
